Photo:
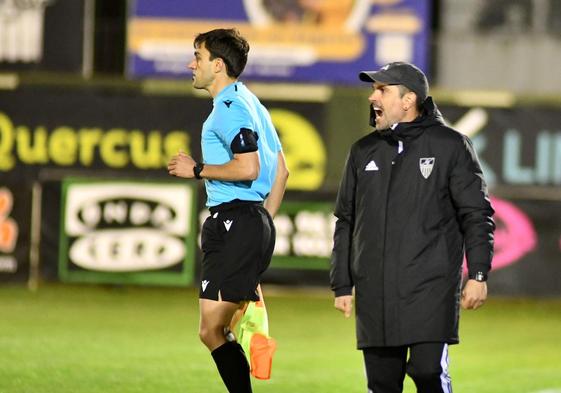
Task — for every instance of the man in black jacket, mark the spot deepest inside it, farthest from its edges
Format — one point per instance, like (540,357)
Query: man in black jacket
(411,201)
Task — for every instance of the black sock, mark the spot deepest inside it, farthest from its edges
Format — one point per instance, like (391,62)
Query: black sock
(233,367)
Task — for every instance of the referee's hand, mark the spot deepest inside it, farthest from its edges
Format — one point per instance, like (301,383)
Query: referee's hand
(344,304)
(474,294)
(181,165)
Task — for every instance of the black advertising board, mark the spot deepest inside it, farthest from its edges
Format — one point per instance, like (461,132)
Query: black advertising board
(49,135)
(518,147)
(72,129)
(133,134)
(527,256)
(528,253)
(520,152)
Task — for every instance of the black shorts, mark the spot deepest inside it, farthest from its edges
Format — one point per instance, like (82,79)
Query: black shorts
(238,239)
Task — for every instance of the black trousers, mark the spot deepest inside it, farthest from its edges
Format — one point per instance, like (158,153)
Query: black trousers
(427,366)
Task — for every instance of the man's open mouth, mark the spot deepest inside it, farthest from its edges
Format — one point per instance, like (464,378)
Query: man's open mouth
(378,111)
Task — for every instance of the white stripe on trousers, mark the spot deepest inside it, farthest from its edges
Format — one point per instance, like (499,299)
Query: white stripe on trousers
(366,375)
(444,376)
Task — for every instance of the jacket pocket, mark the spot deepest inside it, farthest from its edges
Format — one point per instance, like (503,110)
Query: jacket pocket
(423,272)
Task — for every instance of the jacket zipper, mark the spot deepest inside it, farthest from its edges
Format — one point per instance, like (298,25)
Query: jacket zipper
(394,160)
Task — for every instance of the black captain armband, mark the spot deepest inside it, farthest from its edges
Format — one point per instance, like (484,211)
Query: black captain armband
(244,142)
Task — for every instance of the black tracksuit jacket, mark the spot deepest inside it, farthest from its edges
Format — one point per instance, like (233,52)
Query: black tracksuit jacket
(404,221)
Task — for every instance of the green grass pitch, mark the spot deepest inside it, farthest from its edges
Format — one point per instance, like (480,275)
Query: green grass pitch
(93,339)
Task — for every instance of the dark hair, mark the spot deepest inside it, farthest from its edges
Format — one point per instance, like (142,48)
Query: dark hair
(228,45)
(418,103)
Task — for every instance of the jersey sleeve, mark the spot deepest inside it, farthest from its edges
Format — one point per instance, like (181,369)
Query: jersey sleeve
(232,117)
(278,144)
(276,139)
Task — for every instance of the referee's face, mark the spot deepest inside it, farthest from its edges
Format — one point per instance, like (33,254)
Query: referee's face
(202,67)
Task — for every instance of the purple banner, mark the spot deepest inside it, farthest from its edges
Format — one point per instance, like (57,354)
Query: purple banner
(291,40)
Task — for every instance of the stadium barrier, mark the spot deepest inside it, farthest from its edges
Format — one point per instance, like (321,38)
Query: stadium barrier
(64,152)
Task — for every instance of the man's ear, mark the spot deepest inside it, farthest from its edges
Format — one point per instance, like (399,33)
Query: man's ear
(410,97)
(409,100)
(219,65)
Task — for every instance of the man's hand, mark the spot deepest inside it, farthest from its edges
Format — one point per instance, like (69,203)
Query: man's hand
(474,294)
(181,165)
(273,201)
(344,304)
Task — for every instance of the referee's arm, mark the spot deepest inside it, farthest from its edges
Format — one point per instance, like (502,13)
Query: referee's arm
(243,167)
(273,201)
(245,164)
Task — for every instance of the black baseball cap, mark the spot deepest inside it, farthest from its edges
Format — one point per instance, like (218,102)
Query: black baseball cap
(400,73)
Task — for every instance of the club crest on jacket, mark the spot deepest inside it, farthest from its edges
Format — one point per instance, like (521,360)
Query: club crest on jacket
(425,165)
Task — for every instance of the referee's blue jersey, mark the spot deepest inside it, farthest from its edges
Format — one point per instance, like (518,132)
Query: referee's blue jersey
(234,108)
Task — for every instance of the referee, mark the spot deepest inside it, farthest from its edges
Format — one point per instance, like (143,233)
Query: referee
(245,177)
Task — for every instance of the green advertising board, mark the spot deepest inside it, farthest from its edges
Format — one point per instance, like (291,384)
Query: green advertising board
(304,235)
(127,232)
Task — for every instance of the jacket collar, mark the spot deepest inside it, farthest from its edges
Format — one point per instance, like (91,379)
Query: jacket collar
(430,116)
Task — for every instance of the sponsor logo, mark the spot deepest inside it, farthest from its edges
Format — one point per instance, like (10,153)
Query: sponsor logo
(228,224)
(304,230)
(227,103)
(515,236)
(204,284)
(126,227)
(8,227)
(371,166)
(425,165)
(8,264)
(303,148)
(82,146)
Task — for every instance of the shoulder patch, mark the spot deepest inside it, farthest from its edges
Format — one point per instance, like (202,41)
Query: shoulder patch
(228,103)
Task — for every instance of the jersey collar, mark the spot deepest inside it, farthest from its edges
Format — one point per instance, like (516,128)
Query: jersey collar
(231,87)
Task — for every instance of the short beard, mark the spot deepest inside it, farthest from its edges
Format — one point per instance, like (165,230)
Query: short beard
(380,129)
(373,121)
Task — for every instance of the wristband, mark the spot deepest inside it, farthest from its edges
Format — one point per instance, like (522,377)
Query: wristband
(197,169)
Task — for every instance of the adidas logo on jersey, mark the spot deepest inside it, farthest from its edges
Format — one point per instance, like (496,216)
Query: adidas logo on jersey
(371,166)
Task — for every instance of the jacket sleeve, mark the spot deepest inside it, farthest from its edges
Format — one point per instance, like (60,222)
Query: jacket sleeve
(473,208)
(340,274)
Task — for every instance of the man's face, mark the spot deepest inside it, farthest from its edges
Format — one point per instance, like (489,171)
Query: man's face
(202,67)
(388,105)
